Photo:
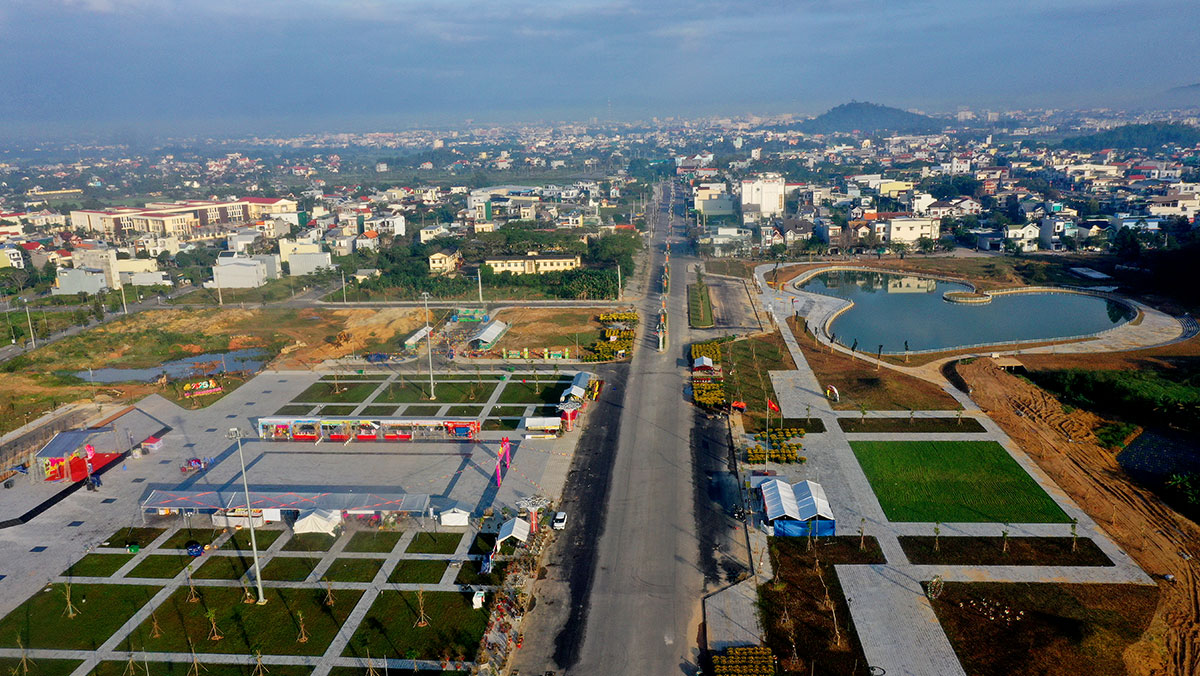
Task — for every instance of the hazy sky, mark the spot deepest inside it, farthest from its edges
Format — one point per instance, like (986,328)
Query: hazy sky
(282,65)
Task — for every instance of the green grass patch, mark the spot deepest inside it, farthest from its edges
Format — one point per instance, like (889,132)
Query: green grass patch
(353,570)
(746,363)
(417,571)
(181,537)
(310,542)
(41,667)
(294,409)
(240,540)
(271,628)
(448,392)
(530,392)
(953,481)
(337,409)
(356,671)
(1113,435)
(120,667)
(341,393)
(388,628)
(914,425)
(141,537)
(472,573)
(216,567)
(465,411)
(419,411)
(97,565)
(41,621)
(290,568)
(161,566)
(434,543)
(378,541)
(498,424)
(377,377)
(508,411)
(700,312)
(381,411)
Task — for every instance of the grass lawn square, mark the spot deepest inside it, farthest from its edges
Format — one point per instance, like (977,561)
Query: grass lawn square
(97,565)
(359,671)
(529,392)
(472,573)
(419,410)
(953,481)
(141,537)
(120,668)
(294,409)
(485,542)
(381,411)
(416,571)
(448,392)
(340,393)
(434,543)
(217,567)
(240,540)
(289,568)
(353,570)
(161,566)
(337,409)
(271,628)
(310,542)
(183,536)
(508,411)
(455,628)
(41,621)
(40,667)
(465,411)
(378,541)
(498,424)
(1065,629)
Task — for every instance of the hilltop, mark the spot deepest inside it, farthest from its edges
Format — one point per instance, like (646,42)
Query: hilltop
(1136,136)
(868,118)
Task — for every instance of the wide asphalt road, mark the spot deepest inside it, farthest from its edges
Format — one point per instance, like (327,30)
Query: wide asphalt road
(644,607)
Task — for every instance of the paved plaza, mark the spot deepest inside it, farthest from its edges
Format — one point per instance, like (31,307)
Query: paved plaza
(450,472)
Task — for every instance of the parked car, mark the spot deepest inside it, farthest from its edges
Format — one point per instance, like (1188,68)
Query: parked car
(560,521)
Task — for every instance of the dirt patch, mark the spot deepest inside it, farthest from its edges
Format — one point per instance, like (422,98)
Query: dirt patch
(1160,540)
(1158,357)
(550,328)
(990,551)
(1023,629)
(861,384)
(807,620)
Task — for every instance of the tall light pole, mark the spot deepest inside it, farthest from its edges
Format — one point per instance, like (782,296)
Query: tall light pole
(343,286)
(29,319)
(235,433)
(429,339)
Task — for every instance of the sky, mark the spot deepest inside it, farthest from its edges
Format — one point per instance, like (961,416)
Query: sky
(80,67)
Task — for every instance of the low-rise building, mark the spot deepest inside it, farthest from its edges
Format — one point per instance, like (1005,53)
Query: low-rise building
(909,230)
(71,281)
(532,263)
(444,262)
(309,263)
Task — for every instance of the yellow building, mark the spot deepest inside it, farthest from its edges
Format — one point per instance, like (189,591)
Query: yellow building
(533,263)
(443,262)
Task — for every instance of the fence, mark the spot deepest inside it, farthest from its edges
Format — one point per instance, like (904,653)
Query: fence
(20,450)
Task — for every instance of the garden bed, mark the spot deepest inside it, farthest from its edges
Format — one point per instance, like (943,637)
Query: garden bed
(913,425)
(989,551)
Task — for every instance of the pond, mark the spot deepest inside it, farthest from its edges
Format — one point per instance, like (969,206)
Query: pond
(890,309)
(198,365)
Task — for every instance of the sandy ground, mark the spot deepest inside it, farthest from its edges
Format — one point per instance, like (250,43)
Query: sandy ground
(553,328)
(1159,539)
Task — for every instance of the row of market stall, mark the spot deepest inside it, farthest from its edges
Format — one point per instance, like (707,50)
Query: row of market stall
(307,511)
(290,428)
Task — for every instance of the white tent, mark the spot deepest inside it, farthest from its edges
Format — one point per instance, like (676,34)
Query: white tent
(317,521)
(455,516)
(513,528)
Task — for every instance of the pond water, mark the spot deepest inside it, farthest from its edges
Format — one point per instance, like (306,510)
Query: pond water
(890,309)
(201,364)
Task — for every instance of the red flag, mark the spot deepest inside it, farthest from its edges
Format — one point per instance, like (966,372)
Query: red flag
(771,405)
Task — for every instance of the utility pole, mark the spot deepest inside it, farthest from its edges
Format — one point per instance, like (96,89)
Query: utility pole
(479,277)
(124,305)
(343,285)
(217,280)
(618,282)
(92,380)
(235,433)
(429,339)
(32,338)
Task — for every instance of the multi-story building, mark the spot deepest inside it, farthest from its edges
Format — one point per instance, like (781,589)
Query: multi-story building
(764,195)
(532,263)
(102,259)
(177,218)
(909,230)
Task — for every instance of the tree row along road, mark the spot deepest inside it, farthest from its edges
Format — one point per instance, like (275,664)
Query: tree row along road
(644,606)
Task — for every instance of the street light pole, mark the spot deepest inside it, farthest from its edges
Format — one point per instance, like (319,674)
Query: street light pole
(235,433)
(429,339)
(29,319)
(343,287)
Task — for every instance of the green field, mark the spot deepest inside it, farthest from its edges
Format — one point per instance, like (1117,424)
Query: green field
(340,393)
(97,565)
(543,391)
(41,621)
(389,626)
(418,571)
(452,392)
(381,541)
(953,481)
(353,570)
(434,543)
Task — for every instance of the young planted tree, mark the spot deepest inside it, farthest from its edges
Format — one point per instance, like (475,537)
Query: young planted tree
(70,611)
(862,408)
(192,596)
(422,618)
(195,668)
(1074,533)
(214,633)
(862,534)
(328,593)
(1004,539)
(302,636)
(937,535)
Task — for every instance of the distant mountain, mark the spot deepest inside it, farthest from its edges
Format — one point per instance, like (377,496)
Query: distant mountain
(1136,136)
(869,118)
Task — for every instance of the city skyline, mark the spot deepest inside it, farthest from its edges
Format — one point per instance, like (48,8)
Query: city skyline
(163,67)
